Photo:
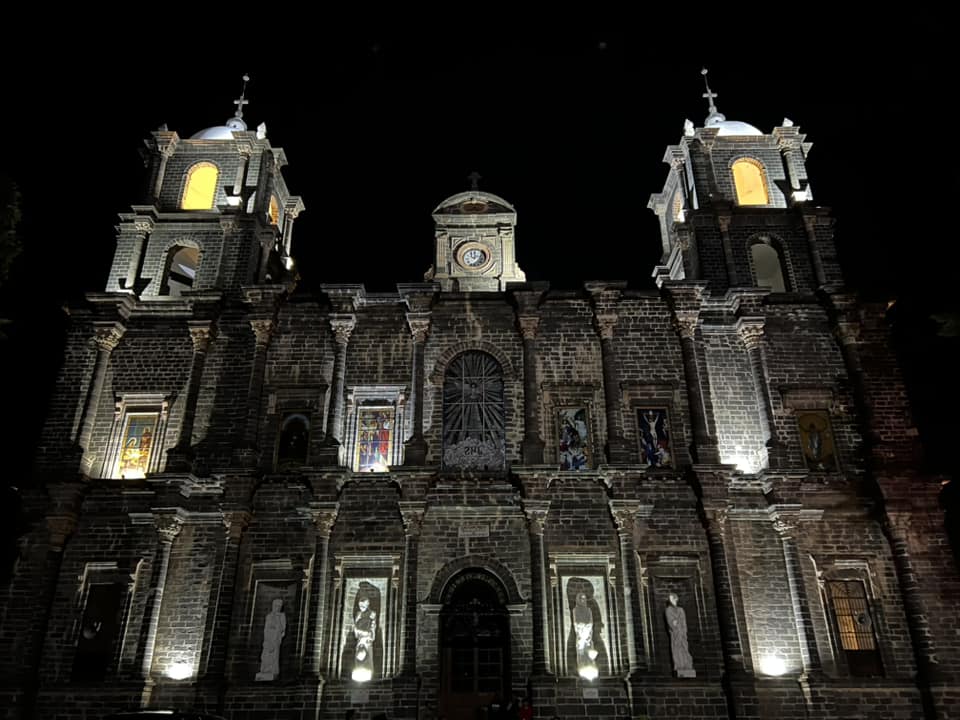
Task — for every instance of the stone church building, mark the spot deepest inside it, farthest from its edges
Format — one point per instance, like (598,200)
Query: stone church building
(698,501)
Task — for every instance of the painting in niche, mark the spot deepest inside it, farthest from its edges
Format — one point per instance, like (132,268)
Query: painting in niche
(294,437)
(585,626)
(816,439)
(374,439)
(574,448)
(653,431)
(361,658)
(138,436)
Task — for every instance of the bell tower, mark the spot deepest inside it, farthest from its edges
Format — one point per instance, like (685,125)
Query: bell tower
(474,243)
(217,214)
(737,211)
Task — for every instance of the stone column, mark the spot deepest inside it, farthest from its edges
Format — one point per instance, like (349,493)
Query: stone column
(168,527)
(809,654)
(106,336)
(896,526)
(536,512)
(533,444)
(291,210)
(714,522)
(179,458)
(723,220)
(166,143)
(415,449)
(142,227)
(810,221)
(234,522)
(262,330)
(624,517)
(750,330)
(705,447)
(617,447)
(342,326)
(324,517)
(412,514)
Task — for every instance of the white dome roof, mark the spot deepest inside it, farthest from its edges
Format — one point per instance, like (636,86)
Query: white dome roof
(221,132)
(730,127)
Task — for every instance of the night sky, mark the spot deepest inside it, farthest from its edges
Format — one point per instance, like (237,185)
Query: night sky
(570,126)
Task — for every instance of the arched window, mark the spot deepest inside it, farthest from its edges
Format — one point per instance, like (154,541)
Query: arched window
(768,267)
(474,422)
(274,210)
(750,182)
(201,187)
(293,442)
(181,270)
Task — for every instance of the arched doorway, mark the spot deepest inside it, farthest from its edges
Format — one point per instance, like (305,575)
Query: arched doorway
(474,645)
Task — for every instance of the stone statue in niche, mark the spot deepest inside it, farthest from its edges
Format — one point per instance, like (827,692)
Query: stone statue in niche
(677,625)
(274,628)
(363,648)
(585,646)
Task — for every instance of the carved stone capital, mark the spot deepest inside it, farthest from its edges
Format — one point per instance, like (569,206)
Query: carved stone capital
(412,514)
(107,335)
(529,324)
(342,326)
(751,332)
(897,524)
(685,321)
(143,226)
(606,324)
(59,529)
(724,222)
(536,512)
(783,527)
(848,332)
(324,517)
(168,527)
(229,223)
(262,330)
(716,519)
(624,513)
(235,522)
(200,332)
(419,324)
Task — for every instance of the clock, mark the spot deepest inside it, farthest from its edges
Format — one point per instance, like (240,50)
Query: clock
(473,256)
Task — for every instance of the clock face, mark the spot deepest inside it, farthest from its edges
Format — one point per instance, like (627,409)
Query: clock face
(474,257)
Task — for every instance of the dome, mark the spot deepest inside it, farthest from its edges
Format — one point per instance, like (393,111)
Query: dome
(730,127)
(221,132)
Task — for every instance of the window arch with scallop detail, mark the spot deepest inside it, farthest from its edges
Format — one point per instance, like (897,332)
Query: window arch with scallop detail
(474,421)
(750,182)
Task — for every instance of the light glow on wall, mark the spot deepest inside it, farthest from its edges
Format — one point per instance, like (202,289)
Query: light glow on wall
(361,674)
(179,671)
(772,665)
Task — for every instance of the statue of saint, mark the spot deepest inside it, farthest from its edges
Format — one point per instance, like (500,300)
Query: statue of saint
(274,628)
(677,624)
(365,632)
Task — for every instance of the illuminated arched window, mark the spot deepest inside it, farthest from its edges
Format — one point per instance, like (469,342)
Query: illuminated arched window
(201,187)
(181,270)
(768,266)
(474,422)
(274,210)
(750,182)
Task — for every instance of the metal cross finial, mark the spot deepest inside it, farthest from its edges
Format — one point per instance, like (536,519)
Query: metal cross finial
(709,95)
(474,179)
(242,101)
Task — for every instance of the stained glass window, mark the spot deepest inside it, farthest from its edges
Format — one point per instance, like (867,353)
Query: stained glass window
(138,441)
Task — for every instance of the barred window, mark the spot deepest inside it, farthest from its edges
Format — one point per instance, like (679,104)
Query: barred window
(855,627)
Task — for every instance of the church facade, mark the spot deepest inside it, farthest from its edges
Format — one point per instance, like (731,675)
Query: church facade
(699,501)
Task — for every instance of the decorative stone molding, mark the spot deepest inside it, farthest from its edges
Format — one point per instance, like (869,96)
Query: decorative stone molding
(200,333)
(235,522)
(324,517)
(342,327)
(624,514)
(536,512)
(529,325)
(751,332)
(107,335)
(685,322)
(419,324)
(262,329)
(168,527)
(412,514)
(606,324)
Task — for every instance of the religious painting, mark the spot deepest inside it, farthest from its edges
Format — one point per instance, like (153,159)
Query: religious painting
(374,439)
(362,628)
(573,448)
(585,626)
(816,439)
(653,433)
(135,450)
